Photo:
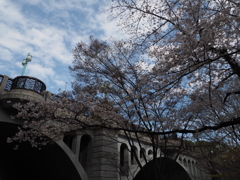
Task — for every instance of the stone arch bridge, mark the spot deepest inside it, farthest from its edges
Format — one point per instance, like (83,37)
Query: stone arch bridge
(88,155)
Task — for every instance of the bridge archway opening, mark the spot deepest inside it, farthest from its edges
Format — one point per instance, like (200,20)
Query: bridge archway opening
(69,140)
(162,169)
(51,162)
(124,165)
(150,152)
(85,153)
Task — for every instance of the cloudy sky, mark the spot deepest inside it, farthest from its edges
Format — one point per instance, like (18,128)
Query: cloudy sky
(49,30)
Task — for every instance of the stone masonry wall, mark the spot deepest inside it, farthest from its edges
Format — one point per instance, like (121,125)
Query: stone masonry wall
(104,157)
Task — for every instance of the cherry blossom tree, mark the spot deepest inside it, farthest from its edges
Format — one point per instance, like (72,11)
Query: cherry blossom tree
(196,44)
(116,75)
(113,89)
(177,73)
(195,49)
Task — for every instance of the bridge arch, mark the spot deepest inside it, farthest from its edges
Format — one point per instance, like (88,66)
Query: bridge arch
(55,161)
(168,170)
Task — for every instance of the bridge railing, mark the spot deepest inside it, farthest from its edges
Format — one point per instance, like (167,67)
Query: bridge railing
(22,82)
(29,83)
(8,84)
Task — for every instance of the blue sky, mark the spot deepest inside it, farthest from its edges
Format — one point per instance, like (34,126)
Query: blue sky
(49,30)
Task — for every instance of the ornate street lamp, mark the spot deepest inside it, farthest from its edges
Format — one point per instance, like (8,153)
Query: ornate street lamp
(24,63)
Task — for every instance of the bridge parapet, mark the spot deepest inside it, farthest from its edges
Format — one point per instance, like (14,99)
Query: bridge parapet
(21,88)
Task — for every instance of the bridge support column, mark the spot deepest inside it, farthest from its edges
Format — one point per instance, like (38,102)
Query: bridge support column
(104,158)
(76,145)
(198,172)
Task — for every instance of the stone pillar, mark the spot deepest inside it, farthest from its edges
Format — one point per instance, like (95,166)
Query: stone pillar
(3,84)
(76,145)
(105,155)
(47,95)
(195,171)
(199,172)
(203,174)
(190,168)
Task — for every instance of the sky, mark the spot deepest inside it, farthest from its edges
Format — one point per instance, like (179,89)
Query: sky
(49,30)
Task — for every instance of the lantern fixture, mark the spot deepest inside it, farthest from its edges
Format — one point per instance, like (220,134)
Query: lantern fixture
(24,63)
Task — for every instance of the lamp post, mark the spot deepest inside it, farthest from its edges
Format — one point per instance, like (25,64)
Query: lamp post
(24,63)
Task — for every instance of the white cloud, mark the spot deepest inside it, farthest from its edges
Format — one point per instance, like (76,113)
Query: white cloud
(10,13)
(47,42)
(60,82)
(109,28)
(43,73)
(53,5)
(5,54)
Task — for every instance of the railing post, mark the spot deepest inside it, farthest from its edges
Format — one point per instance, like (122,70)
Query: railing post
(47,95)
(3,83)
